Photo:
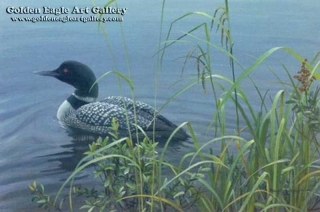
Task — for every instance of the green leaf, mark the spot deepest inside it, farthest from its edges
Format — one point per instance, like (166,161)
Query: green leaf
(91,209)
(32,188)
(41,201)
(84,207)
(178,194)
(126,171)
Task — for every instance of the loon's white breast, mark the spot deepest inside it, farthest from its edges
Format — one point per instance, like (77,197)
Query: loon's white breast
(64,111)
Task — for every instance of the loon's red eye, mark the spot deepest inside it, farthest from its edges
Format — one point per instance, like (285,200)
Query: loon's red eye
(65,70)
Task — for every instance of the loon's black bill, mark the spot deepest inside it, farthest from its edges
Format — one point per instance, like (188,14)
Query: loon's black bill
(47,73)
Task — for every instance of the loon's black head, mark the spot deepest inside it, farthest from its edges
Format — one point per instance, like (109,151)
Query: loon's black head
(76,74)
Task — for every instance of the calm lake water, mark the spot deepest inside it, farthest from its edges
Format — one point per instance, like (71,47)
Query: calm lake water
(35,147)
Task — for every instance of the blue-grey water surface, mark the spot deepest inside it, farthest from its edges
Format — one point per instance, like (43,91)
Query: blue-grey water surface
(35,147)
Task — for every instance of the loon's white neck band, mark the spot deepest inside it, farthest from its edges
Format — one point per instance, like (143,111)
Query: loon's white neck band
(85,98)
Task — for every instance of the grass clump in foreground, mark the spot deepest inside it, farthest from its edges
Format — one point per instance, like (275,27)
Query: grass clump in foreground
(129,179)
(276,169)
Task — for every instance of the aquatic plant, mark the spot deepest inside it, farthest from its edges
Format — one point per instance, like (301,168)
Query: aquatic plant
(276,168)
(129,179)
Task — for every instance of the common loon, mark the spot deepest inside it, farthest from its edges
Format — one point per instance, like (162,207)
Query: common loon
(81,110)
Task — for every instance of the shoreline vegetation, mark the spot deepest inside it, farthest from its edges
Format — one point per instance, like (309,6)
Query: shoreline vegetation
(276,169)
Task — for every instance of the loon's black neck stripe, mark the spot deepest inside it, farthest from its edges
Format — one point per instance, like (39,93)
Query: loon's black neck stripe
(75,102)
